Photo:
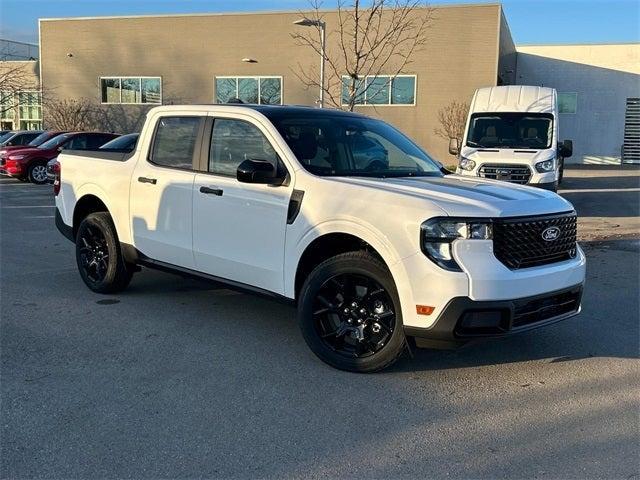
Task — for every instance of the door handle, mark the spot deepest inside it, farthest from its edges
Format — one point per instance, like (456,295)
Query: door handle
(152,181)
(211,191)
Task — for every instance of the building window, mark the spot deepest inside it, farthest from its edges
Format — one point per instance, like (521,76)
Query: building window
(262,90)
(30,110)
(7,111)
(567,102)
(381,90)
(131,90)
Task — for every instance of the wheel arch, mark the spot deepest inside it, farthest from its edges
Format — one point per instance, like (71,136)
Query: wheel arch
(87,204)
(329,240)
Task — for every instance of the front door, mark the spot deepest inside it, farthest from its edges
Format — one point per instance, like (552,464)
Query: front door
(239,228)
(162,190)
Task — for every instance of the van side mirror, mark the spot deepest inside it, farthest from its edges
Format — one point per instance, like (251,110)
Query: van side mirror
(454,146)
(258,171)
(566,148)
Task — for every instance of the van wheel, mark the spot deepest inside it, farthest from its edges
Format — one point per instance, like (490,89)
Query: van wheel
(349,313)
(38,173)
(100,261)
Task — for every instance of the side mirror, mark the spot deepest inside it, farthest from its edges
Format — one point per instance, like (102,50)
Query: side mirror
(566,148)
(8,144)
(258,171)
(454,147)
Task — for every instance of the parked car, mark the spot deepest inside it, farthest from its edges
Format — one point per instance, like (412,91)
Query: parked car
(124,143)
(368,257)
(36,142)
(31,163)
(19,138)
(4,134)
(512,135)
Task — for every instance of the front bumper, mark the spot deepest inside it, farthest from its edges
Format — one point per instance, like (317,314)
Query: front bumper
(464,319)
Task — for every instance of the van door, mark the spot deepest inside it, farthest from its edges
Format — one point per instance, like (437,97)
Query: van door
(239,228)
(161,190)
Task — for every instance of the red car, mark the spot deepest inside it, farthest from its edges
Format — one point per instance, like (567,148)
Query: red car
(36,142)
(30,163)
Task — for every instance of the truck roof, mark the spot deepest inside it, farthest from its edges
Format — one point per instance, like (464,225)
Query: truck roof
(514,98)
(268,111)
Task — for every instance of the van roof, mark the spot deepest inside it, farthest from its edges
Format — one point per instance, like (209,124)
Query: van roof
(514,98)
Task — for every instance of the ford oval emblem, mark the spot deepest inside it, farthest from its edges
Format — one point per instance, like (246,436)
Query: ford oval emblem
(550,234)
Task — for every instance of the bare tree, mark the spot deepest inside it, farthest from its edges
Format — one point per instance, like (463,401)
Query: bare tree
(376,38)
(452,119)
(15,77)
(68,114)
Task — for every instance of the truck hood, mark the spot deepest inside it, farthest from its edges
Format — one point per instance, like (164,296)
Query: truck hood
(462,196)
(507,155)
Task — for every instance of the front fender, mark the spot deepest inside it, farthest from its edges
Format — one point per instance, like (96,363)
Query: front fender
(367,233)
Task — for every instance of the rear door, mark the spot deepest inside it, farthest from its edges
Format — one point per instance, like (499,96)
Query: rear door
(239,228)
(161,189)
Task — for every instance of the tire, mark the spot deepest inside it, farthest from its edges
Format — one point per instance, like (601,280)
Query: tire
(37,173)
(98,255)
(561,173)
(369,345)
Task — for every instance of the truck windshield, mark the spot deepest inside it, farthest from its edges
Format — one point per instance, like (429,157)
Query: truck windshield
(510,130)
(353,146)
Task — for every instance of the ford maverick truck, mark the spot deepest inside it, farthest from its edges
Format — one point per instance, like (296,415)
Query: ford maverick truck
(340,214)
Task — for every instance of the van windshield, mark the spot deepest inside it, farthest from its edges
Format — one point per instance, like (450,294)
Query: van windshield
(353,146)
(510,130)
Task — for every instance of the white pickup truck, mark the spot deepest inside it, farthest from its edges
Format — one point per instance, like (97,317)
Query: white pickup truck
(335,212)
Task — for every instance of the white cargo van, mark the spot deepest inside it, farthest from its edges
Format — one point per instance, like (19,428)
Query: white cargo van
(512,135)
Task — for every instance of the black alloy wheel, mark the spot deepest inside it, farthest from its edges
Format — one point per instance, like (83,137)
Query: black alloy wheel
(99,257)
(93,253)
(349,313)
(353,315)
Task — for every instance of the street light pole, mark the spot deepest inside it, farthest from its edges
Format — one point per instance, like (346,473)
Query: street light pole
(307,22)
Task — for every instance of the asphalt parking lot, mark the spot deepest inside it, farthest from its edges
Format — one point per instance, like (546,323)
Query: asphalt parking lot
(176,379)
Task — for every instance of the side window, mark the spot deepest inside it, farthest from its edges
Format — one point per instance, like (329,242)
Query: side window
(26,138)
(232,142)
(174,142)
(96,141)
(79,142)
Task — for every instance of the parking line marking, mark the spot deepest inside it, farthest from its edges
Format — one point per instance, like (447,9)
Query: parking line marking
(31,206)
(600,190)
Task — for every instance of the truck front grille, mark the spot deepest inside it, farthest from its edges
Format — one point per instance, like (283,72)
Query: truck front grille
(533,241)
(519,174)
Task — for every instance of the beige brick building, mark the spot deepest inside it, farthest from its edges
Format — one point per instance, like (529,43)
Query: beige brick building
(127,64)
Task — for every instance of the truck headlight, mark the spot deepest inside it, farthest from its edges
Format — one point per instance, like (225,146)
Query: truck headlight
(466,164)
(437,234)
(546,166)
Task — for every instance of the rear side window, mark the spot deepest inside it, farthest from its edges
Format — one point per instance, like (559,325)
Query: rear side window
(79,142)
(25,138)
(234,141)
(174,142)
(96,141)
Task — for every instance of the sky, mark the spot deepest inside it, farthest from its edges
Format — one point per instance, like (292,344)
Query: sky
(530,21)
